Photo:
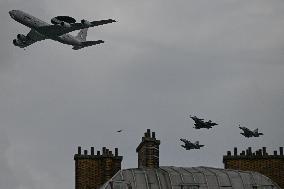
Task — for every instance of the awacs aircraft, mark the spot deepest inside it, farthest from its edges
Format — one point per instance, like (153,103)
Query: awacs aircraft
(200,123)
(58,30)
(248,133)
(189,145)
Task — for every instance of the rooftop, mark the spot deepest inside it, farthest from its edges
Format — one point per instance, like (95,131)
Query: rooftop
(188,177)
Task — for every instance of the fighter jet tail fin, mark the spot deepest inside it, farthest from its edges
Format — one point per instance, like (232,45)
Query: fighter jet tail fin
(82,35)
(255,131)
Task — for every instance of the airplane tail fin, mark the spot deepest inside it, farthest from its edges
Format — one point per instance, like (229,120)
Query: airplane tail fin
(255,131)
(87,44)
(197,143)
(82,35)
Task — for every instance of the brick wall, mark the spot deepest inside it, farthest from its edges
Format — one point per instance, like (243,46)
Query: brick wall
(260,161)
(93,170)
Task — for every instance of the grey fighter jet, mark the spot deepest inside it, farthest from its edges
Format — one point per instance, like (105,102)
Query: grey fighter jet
(200,123)
(248,133)
(189,145)
(58,30)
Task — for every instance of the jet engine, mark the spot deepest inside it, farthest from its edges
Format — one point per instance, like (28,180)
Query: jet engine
(86,23)
(21,38)
(65,24)
(17,42)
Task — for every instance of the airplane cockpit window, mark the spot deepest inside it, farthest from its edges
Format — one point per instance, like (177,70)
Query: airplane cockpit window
(27,17)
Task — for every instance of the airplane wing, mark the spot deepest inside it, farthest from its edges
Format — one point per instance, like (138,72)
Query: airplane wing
(188,143)
(199,121)
(60,30)
(245,129)
(30,38)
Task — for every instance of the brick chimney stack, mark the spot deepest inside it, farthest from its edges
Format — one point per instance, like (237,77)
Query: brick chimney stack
(148,151)
(271,165)
(93,170)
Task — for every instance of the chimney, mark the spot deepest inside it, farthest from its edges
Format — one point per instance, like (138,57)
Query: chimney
(281,151)
(235,151)
(92,151)
(148,151)
(116,151)
(92,170)
(264,151)
(79,150)
(229,153)
(249,151)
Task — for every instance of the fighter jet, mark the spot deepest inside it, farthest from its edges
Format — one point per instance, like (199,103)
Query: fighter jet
(200,123)
(248,133)
(57,31)
(189,145)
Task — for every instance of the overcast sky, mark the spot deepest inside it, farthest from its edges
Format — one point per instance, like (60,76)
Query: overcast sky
(163,60)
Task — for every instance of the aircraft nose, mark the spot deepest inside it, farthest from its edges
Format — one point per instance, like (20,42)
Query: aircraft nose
(12,13)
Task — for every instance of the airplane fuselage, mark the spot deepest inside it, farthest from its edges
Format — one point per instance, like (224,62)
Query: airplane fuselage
(248,133)
(38,26)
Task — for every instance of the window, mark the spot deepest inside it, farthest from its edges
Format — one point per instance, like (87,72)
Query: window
(27,18)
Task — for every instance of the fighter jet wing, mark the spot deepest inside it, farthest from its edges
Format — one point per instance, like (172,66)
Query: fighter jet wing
(58,30)
(246,130)
(188,143)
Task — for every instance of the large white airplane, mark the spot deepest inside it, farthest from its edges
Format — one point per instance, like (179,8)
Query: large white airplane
(58,31)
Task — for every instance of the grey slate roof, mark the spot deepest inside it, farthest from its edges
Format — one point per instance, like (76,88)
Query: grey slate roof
(188,178)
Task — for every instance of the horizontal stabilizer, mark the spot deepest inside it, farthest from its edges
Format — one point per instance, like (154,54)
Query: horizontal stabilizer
(87,44)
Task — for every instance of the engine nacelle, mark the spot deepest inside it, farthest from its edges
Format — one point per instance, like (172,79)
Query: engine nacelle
(86,23)
(22,38)
(65,24)
(18,43)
